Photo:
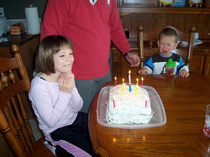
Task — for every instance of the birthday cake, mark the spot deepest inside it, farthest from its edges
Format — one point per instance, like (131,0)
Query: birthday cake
(128,106)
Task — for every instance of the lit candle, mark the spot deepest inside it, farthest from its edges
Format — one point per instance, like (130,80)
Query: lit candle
(136,90)
(146,104)
(130,89)
(136,86)
(113,102)
(115,82)
(123,88)
(142,82)
(123,82)
(129,77)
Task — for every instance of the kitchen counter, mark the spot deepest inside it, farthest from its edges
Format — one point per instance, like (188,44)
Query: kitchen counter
(17,39)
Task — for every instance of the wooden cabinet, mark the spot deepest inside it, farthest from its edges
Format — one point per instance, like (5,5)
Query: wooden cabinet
(207,3)
(27,50)
(201,58)
(183,18)
(155,3)
(207,64)
(137,3)
(200,63)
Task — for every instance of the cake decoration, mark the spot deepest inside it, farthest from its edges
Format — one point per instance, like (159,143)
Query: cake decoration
(125,107)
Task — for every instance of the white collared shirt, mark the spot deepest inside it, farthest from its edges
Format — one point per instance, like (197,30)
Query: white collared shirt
(93,1)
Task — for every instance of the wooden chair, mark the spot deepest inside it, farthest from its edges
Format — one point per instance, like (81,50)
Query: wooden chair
(14,123)
(147,43)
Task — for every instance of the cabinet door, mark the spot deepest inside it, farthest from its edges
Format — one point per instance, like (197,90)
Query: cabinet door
(197,63)
(207,63)
(137,3)
(5,52)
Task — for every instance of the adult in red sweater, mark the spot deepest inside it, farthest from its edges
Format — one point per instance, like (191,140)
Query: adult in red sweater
(90,25)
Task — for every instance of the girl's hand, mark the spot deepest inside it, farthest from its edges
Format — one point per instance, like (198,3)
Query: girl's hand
(66,82)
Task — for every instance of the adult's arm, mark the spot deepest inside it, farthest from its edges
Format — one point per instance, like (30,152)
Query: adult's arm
(54,19)
(119,39)
(116,30)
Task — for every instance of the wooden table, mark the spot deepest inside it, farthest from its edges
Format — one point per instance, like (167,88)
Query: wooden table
(184,101)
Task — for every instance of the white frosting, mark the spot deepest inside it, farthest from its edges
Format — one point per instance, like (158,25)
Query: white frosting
(129,108)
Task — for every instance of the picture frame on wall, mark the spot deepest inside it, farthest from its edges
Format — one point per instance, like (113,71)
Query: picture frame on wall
(179,3)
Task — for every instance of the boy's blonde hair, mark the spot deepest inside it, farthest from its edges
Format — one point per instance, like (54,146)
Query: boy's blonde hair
(169,32)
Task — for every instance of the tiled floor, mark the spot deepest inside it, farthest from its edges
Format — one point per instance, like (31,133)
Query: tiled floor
(35,128)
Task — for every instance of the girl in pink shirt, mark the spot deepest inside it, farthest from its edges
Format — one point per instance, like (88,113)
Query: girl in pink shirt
(56,101)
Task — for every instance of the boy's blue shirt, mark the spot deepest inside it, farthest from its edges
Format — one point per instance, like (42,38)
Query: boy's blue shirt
(156,63)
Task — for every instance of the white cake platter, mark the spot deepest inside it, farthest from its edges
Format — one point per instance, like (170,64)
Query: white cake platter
(159,115)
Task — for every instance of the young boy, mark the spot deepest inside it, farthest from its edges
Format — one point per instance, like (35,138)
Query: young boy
(156,63)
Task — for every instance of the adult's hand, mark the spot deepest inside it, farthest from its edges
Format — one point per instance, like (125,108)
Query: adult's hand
(133,59)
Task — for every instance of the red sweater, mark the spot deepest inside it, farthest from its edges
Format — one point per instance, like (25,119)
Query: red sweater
(90,28)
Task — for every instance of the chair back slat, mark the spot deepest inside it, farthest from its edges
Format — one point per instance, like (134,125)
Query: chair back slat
(21,66)
(23,121)
(14,124)
(10,138)
(153,35)
(26,122)
(11,91)
(10,62)
(20,126)
(8,118)
(15,128)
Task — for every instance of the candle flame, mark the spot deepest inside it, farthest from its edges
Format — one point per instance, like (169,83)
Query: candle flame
(142,78)
(137,79)
(115,78)
(123,80)
(114,139)
(129,72)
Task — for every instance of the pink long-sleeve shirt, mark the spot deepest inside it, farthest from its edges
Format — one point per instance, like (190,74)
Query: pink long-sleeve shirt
(90,28)
(52,107)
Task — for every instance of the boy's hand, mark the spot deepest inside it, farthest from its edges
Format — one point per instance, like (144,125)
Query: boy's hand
(184,73)
(143,71)
(66,82)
